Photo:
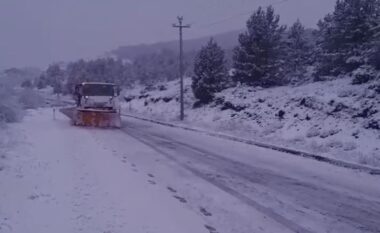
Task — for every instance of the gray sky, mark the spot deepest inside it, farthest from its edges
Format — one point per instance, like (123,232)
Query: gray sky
(38,32)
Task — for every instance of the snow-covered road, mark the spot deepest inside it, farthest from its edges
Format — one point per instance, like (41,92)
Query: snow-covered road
(300,194)
(151,178)
(63,179)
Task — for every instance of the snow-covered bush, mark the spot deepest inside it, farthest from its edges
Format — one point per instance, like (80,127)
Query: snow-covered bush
(10,108)
(368,159)
(13,103)
(334,144)
(318,148)
(272,128)
(311,102)
(328,132)
(345,93)
(30,99)
(375,57)
(364,74)
(349,146)
(313,132)
(27,84)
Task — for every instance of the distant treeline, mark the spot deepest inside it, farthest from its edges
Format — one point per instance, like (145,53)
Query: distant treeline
(346,43)
(146,69)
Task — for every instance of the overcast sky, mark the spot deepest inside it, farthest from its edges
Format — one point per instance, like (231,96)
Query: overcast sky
(38,32)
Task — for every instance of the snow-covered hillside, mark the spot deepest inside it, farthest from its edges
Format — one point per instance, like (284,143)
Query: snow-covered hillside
(331,118)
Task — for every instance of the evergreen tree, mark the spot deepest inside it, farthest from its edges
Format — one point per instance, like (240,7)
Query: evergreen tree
(346,35)
(41,81)
(375,55)
(143,70)
(299,52)
(76,73)
(158,66)
(101,70)
(210,73)
(374,48)
(258,58)
(55,78)
(27,84)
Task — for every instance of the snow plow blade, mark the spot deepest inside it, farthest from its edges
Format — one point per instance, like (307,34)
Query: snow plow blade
(93,117)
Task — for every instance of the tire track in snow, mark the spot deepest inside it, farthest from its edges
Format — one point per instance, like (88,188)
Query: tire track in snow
(358,213)
(146,139)
(353,212)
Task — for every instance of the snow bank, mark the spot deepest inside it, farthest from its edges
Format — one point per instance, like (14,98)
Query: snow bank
(332,118)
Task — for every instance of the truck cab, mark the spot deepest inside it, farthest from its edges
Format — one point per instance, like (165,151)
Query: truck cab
(97,95)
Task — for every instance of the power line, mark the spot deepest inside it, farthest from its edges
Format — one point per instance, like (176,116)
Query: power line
(210,7)
(239,15)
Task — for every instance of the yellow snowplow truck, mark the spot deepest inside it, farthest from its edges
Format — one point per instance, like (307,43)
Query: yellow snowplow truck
(97,105)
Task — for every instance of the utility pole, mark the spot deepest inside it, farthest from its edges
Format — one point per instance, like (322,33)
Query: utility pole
(180,26)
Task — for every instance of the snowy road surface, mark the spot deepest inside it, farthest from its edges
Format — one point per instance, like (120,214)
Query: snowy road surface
(151,178)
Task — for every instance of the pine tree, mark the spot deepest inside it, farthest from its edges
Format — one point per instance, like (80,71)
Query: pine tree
(298,52)
(374,48)
(76,73)
(210,73)
(346,35)
(27,84)
(158,66)
(258,58)
(41,81)
(55,78)
(102,70)
(374,54)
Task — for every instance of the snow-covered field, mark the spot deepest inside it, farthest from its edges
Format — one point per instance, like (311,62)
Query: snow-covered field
(331,118)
